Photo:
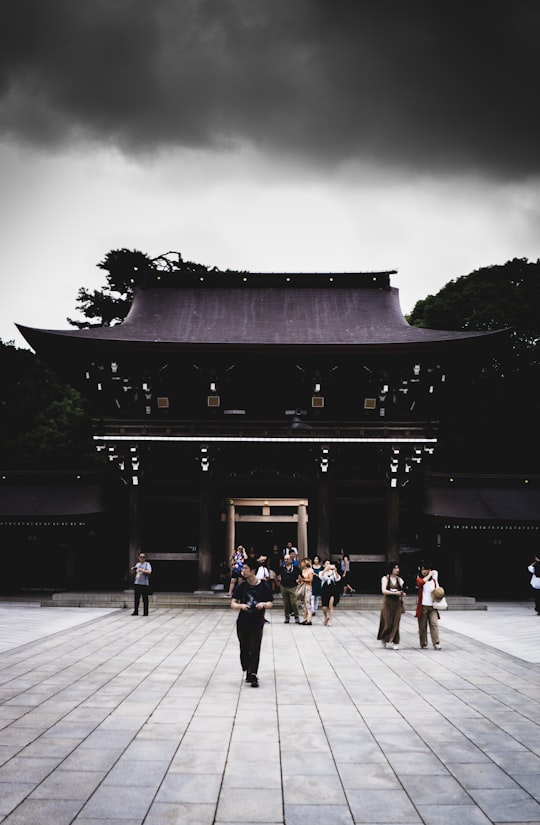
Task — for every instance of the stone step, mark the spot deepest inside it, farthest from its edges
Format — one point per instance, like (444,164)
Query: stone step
(220,601)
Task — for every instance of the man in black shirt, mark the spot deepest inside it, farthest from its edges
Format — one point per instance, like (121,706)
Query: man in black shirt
(288,576)
(251,598)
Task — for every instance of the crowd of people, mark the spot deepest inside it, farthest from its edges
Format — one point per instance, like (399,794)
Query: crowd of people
(308,585)
(304,584)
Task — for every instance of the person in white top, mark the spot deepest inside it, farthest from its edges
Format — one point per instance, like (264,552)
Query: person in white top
(289,548)
(330,592)
(427,615)
(263,573)
(143,571)
(534,568)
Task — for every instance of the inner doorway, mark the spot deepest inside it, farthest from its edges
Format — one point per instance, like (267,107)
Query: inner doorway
(263,537)
(261,523)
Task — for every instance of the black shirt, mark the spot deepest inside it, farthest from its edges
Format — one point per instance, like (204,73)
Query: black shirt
(252,594)
(289,577)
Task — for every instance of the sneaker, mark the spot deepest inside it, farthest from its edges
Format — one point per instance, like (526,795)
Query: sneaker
(395,646)
(383,644)
(254,680)
(437,647)
(423,647)
(287,621)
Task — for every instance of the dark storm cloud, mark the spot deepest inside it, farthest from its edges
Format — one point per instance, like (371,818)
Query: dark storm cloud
(433,85)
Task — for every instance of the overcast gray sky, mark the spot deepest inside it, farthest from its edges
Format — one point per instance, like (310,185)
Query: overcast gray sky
(264,135)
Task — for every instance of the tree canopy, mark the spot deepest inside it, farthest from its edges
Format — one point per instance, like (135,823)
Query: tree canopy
(44,423)
(125,270)
(491,429)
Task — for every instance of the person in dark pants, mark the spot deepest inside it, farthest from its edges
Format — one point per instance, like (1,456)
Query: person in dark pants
(534,568)
(288,579)
(143,571)
(251,598)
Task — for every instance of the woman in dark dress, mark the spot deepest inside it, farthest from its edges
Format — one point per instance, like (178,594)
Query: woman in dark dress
(316,585)
(392,589)
(331,590)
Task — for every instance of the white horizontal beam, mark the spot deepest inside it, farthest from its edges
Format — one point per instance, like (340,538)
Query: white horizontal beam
(271,439)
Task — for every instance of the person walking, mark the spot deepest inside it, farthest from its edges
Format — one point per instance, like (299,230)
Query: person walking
(236,561)
(274,563)
(143,571)
(534,568)
(392,589)
(263,573)
(288,576)
(330,592)
(316,585)
(345,566)
(251,598)
(306,579)
(426,613)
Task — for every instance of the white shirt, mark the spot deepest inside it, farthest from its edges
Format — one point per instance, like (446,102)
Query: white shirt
(262,573)
(428,589)
(535,581)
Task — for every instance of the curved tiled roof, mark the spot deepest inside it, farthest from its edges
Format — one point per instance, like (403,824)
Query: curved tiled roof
(336,313)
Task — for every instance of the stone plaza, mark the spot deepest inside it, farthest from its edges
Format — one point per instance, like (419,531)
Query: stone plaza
(119,720)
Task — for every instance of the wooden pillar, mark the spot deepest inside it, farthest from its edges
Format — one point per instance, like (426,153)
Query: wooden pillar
(302,531)
(323,520)
(134,526)
(231,530)
(204,550)
(392,535)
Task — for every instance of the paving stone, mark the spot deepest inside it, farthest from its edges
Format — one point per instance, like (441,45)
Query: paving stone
(107,803)
(39,811)
(507,804)
(97,726)
(68,785)
(171,813)
(12,793)
(190,788)
(256,806)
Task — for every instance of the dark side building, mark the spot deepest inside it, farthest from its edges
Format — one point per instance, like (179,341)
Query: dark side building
(259,408)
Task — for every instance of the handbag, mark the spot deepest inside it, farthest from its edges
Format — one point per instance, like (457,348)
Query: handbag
(439,598)
(300,591)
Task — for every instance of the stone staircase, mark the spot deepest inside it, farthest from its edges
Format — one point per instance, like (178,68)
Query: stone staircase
(219,601)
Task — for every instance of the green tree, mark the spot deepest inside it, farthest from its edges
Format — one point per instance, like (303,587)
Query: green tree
(490,430)
(44,423)
(126,269)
